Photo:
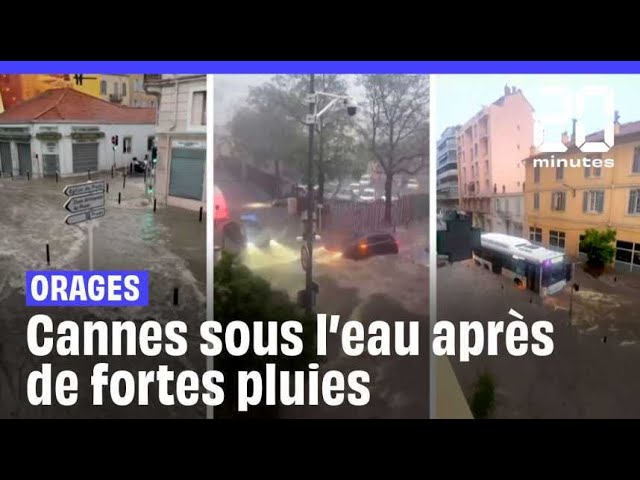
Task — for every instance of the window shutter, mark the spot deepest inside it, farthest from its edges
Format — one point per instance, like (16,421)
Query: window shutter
(585,199)
(632,201)
(600,202)
(587,171)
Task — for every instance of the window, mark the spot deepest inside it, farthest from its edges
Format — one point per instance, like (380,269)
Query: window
(636,161)
(560,172)
(115,89)
(506,204)
(498,206)
(634,202)
(535,234)
(126,145)
(103,87)
(558,201)
(518,206)
(124,89)
(556,239)
(150,141)
(199,108)
(592,172)
(536,201)
(536,174)
(593,201)
(486,167)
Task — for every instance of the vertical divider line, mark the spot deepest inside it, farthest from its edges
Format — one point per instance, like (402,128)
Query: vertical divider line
(433,251)
(209,189)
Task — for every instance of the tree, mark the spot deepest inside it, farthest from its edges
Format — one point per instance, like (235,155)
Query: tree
(335,143)
(397,125)
(483,399)
(238,294)
(599,247)
(268,137)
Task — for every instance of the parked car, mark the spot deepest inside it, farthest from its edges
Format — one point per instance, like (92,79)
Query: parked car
(344,195)
(412,184)
(394,198)
(140,166)
(368,195)
(365,179)
(355,188)
(364,246)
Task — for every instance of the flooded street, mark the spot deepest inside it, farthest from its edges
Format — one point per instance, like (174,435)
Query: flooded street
(169,244)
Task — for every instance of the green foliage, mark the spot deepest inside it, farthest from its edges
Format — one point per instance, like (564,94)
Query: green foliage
(599,247)
(239,294)
(483,400)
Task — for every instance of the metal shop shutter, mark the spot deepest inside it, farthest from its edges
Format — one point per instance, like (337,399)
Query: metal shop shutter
(24,158)
(49,164)
(85,157)
(187,173)
(5,157)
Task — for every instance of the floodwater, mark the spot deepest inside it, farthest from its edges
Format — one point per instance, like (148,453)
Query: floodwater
(169,244)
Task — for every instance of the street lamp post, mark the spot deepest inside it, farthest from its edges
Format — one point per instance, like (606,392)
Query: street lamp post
(309,232)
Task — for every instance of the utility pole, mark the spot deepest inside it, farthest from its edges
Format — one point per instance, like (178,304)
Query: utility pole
(309,233)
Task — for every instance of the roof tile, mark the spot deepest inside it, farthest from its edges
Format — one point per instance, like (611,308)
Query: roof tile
(66,105)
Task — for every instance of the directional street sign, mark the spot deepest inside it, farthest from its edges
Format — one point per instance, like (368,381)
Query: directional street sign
(84,202)
(84,216)
(84,188)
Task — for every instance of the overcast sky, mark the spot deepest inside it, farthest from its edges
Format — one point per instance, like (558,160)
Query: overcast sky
(230,93)
(462,96)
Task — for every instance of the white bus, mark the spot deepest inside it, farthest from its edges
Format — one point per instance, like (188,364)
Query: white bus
(530,266)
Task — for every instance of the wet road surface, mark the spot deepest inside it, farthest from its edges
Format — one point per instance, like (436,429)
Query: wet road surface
(390,288)
(169,243)
(592,372)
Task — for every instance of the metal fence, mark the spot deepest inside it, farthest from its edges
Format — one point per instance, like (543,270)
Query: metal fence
(360,216)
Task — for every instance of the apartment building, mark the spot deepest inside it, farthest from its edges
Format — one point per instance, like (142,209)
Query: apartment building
(562,202)
(447,169)
(491,146)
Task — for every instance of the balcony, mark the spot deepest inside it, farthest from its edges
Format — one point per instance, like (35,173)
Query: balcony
(447,174)
(151,78)
(115,98)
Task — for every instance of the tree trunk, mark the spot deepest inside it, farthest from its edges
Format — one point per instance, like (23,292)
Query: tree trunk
(388,201)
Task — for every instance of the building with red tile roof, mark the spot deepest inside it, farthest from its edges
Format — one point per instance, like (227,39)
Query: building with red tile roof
(70,132)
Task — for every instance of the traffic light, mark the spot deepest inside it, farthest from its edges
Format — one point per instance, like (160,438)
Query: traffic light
(154,155)
(114,140)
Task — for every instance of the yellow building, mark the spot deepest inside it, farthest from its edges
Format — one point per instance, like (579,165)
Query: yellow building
(562,201)
(125,90)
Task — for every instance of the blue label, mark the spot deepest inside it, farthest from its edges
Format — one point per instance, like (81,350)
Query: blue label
(74,288)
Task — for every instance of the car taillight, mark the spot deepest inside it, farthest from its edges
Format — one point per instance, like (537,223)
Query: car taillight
(363,247)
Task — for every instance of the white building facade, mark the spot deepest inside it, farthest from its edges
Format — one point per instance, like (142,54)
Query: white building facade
(71,149)
(181,139)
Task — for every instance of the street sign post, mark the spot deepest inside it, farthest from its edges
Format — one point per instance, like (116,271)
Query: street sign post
(86,203)
(84,188)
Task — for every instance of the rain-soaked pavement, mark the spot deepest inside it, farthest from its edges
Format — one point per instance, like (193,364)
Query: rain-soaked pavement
(169,243)
(390,288)
(593,370)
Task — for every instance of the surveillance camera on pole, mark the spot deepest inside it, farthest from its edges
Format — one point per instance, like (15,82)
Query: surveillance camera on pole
(347,100)
(351,105)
